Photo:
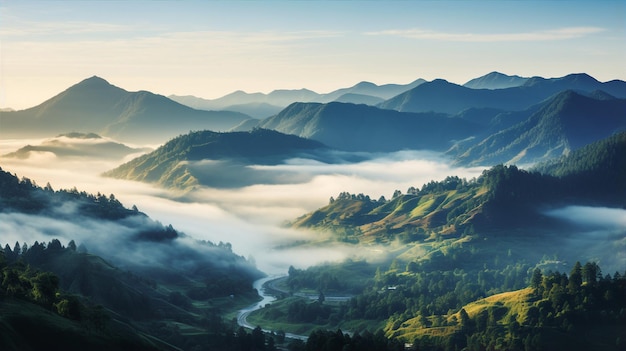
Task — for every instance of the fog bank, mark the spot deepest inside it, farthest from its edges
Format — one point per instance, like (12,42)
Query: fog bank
(249,217)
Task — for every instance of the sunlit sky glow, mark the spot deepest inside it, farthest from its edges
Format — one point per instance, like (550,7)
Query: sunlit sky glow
(209,49)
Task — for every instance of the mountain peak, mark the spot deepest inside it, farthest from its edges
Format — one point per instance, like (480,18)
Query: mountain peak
(94,80)
(582,78)
(495,80)
(365,84)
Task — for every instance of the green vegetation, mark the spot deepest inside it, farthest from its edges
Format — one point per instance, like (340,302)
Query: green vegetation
(444,310)
(36,314)
(68,293)
(502,199)
(169,165)
(470,261)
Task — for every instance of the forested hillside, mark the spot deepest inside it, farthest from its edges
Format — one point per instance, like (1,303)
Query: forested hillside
(215,159)
(503,198)
(125,282)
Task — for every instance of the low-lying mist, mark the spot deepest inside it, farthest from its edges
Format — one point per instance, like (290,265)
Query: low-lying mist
(598,234)
(251,217)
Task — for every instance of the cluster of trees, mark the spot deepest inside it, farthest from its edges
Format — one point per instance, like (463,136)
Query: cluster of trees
(347,276)
(323,340)
(23,282)
(591,175)
(581,311)
(25,195)
(398,296)
(22,278)
(304,312)
(426,289)
(580,169)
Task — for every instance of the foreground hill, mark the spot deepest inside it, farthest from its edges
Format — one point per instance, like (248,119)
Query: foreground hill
(366,128)
(216,159)
(566,122)
(156,286)
(94,105)
(442,96)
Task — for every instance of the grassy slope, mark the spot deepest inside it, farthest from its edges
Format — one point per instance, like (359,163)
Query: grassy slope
(373,221)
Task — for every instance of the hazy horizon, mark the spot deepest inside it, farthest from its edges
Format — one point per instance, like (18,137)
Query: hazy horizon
(210,49)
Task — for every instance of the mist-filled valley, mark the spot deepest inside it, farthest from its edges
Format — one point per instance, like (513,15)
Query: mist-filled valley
(426,216)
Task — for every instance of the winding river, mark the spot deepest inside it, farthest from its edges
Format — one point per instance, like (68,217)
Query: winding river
(243,314)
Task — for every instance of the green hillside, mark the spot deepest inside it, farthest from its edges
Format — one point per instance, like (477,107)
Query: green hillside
(186,161)
(502,199)
(171,290)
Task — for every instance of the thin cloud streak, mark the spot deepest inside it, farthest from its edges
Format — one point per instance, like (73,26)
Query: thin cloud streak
(545,35)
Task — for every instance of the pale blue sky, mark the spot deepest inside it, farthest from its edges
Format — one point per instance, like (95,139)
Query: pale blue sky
(209,49)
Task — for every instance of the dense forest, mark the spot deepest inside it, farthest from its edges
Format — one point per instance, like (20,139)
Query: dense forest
(478,261)
(48,288)
(512,308)
(504,198)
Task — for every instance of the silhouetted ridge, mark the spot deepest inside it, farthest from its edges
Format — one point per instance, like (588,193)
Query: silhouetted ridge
(94,105)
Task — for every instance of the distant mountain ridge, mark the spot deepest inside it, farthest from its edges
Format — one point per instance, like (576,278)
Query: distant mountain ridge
(94,105)
(564,123)
(443,96)
(496,80)
(363,92)
(353,127)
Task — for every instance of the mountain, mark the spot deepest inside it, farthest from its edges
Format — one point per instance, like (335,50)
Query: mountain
(442,96)
(275,99)
(95,105)
(582,164)
(503,200)
(563,123)
(495,80)
(359,99)
(385,91)
(217,159)
(366,128)
(78,145)
(241,101)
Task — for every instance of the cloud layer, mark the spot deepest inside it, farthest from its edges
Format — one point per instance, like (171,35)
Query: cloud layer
(250,217)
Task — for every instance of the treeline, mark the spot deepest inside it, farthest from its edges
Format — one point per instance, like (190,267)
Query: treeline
(22,281)
(434,287)
(602,163)
(101,294)
(582,311)
(322,340)
(26,196)
(348,276)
